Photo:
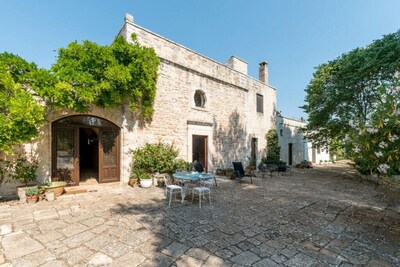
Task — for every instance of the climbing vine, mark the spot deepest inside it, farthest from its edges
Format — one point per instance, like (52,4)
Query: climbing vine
(84,75)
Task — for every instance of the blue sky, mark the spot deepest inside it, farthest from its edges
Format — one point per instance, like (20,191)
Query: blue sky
(294,36)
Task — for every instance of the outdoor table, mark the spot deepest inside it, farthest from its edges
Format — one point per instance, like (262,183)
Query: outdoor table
(187,178)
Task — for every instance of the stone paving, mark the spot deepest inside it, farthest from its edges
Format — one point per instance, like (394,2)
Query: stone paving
(324,216)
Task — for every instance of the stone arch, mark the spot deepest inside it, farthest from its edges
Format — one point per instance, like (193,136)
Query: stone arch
(85,148)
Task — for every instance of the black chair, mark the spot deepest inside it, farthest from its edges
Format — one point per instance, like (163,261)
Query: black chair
(239,171)
(199,168)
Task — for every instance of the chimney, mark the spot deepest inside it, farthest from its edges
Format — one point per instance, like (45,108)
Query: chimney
(263,72)
(128,18)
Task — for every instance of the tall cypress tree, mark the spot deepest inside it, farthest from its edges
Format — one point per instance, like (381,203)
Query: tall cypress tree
(273,148)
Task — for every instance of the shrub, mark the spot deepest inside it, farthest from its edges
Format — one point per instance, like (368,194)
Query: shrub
(32,191)
(152,158)
(22,170)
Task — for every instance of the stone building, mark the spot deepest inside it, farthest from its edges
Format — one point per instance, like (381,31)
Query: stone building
(212,112)
(294,145)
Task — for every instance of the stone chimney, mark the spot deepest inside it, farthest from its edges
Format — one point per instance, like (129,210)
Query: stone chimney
(263,72)
(128,18)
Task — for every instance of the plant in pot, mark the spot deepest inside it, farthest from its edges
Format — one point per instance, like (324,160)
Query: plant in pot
(32,194)
(23,171)
(57,187)
(160,181)
(41,193)
(145,179)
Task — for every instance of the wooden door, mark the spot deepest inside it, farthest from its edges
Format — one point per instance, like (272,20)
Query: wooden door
(200,150)
(65,155)
(109,155)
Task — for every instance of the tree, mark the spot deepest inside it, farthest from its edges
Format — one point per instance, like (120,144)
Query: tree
(106,76)
(21,114)
(273,148)
(346,96)
(84,75)
(345,89)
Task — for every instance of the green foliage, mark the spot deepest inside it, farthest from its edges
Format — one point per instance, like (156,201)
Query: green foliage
(106,75)
(353,101)
(154,158)
(84,75)
(273,148)
(346,88)
(22,170)
(32,191)
(181,164)
(21,115)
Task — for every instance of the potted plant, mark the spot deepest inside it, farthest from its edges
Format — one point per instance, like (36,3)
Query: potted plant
(133,181)
(57,187)
(32,194)
(23,171)
(145,179)
(41,193)
(161,181)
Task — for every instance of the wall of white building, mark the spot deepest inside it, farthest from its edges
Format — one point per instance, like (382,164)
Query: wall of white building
(294,146)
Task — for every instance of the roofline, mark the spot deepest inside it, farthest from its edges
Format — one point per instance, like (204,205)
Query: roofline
(192,51)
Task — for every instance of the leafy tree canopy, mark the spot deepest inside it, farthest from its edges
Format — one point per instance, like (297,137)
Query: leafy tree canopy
(21,114)
(85,74)
(105,76)
(347,88)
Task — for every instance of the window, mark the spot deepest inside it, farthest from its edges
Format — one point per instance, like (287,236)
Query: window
(281,132)
(260,103)
(199,99)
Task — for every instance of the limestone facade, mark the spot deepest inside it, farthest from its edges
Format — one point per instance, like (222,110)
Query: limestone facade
(227,118)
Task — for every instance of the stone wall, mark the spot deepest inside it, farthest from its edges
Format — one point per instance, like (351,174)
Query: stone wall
(229,118)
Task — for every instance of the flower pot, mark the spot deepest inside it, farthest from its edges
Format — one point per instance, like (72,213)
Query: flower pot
(32,199)
(21,192)
(146,183)
(133,181)
(56,187)
(161,184)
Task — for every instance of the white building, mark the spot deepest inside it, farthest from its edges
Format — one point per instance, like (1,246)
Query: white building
(294,146)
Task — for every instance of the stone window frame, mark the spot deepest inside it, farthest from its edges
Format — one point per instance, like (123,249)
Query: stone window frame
(260,103)
(203,100)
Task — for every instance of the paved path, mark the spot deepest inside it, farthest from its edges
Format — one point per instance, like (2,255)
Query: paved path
(316,217)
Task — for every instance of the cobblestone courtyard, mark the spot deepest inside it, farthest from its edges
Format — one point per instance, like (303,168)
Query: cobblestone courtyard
(316,217)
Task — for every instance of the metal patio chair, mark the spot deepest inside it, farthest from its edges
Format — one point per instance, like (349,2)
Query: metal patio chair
(171,189)
(239,171)
(203,189)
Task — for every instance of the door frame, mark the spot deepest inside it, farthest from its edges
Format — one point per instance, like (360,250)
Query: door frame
(75,178)
(204,138)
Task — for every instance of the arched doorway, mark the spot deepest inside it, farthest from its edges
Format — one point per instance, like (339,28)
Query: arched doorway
(85,148)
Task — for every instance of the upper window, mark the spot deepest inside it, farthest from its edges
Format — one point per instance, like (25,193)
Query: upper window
(199,99)
(260,103)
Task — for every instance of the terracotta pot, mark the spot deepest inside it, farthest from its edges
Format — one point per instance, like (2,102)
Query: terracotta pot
(58,190)
(32,199)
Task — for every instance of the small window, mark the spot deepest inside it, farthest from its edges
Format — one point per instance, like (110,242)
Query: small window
(260,103)
(281,132)
(199,99)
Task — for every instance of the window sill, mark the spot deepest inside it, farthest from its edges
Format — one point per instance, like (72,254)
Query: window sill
(200,109)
